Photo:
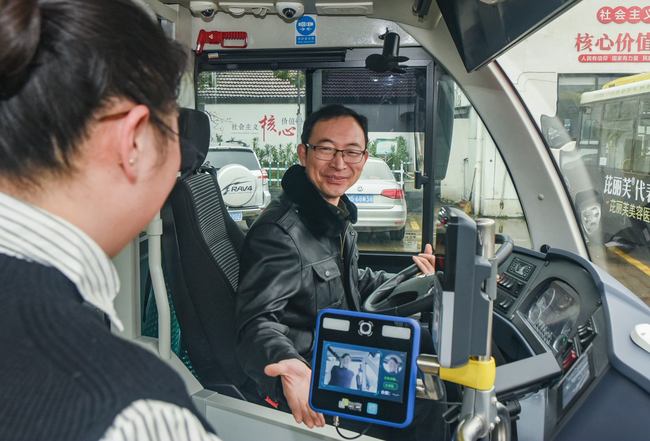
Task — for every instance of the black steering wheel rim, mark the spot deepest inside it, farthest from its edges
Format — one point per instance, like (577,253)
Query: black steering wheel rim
(404,294)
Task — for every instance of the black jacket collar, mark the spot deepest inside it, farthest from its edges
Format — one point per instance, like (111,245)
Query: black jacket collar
(320,216)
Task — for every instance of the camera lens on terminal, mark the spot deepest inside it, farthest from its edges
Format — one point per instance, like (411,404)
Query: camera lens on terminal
(365,328)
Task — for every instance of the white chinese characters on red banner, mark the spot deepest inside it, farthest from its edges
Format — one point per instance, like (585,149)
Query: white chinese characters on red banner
(623,14)
(614,58)
(616,47)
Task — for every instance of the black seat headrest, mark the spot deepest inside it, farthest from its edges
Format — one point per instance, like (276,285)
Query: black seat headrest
(194,133)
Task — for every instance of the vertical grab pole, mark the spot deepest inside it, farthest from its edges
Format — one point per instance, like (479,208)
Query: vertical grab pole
(480,408)
(154,233)
(486,229)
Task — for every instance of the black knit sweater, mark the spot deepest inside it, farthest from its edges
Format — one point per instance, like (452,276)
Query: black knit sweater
(63,375)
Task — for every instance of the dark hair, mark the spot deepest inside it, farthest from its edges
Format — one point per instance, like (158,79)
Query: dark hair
(63,60)
(395,358)
(331,112)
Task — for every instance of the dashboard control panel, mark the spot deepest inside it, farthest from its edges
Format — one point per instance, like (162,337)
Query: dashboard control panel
(550,302)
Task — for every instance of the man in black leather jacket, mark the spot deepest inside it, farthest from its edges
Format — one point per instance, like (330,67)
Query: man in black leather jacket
(300,256)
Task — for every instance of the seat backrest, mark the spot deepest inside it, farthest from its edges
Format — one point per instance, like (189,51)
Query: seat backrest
(201,245)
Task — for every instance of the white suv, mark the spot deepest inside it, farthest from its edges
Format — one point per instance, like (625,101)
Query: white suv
(244,183)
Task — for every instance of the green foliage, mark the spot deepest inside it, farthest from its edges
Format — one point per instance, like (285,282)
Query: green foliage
(372,148)
(396,156)
(272,157)
(295,77)
(206,80)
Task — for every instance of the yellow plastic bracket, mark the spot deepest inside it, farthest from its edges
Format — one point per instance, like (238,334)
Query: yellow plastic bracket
(479,375)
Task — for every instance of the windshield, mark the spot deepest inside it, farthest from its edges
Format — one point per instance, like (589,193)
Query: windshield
(591,101)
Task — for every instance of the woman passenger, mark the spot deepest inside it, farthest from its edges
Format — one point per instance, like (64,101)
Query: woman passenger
(88,153)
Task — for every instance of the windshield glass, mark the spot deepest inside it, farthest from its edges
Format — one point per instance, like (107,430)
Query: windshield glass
(591,101)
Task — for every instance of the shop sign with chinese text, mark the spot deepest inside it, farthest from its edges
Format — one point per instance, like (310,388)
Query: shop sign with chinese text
(614,43)
(628,196)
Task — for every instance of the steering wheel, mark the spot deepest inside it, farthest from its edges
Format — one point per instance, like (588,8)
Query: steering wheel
(404,294)
(408,293)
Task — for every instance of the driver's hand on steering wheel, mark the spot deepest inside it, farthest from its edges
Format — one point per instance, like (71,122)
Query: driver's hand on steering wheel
(426,261)
(296,377)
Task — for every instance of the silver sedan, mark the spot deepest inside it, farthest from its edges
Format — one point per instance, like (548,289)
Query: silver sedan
(380,200)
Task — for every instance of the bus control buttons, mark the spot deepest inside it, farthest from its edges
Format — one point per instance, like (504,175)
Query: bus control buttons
(365,328)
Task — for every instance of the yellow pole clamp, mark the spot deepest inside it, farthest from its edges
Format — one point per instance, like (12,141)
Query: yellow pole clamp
(477,374)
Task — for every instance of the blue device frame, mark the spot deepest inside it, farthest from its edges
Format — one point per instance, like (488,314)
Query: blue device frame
(409,387)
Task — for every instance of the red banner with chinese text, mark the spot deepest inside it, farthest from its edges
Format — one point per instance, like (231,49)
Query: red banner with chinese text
(617,47)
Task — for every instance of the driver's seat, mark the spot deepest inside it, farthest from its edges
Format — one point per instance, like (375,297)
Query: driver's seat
(200,246)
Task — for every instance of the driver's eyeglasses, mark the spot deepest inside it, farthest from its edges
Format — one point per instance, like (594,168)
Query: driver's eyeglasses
(325,153)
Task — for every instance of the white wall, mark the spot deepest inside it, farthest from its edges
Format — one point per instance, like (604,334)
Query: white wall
(474,157)
(244,122)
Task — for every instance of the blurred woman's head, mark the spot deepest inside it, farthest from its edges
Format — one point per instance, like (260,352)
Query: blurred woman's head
(88,111)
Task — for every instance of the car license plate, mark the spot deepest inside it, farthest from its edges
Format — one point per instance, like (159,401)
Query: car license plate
(361,198)
(236,215)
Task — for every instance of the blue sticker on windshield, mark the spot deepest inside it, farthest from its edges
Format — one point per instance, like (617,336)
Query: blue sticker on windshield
(306,30)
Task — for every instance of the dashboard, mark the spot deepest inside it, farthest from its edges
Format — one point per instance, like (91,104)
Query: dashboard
(549,328)
(551,300)
(554,313)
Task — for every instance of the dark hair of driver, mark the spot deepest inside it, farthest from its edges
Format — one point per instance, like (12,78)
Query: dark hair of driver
(60,62)
(331,112)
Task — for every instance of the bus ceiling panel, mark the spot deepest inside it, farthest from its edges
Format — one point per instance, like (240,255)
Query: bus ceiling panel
(539,186)
(402,12)
(272,32)
(420,13)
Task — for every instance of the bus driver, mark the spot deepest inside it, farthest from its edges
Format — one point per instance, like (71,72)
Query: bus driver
(300,256)
(342,375)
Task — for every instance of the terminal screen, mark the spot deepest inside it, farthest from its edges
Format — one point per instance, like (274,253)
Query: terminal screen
(364,367)
(363,371)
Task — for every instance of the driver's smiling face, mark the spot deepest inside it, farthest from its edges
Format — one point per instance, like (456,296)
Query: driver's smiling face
(333,178)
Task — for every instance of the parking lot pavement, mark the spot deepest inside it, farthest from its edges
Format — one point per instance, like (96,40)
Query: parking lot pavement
(380,241)
(631,267)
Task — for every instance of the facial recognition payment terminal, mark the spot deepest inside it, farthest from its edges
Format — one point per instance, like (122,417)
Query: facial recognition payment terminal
(364,367)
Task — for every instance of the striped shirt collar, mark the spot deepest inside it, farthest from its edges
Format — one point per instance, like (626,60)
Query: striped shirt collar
(30,233)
